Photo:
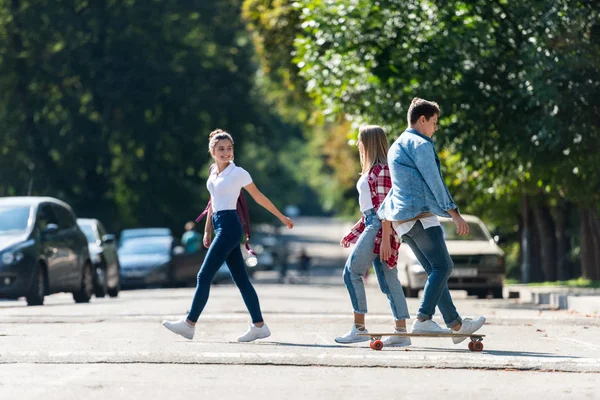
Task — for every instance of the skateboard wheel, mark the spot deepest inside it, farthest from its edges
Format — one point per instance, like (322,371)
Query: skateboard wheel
(371,344)
(472,346)
(377,345)
(478,346)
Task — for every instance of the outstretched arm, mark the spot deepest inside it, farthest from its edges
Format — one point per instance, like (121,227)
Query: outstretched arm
(266,203)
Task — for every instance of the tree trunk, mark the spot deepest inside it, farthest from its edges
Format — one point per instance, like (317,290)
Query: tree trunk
(545,230)
(525,248)
(562,242)
(590,243)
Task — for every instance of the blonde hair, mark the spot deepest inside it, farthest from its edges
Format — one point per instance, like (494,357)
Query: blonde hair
(375,144)
(215,136)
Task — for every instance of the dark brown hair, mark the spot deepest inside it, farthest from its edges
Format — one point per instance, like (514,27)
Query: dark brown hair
(215,136)
(420,107)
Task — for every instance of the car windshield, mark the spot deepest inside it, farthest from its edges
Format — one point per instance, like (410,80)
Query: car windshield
(150,245)
(14,218)
(475,232)
(88,230)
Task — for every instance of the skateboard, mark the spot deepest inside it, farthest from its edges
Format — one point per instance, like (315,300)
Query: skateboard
(476,343)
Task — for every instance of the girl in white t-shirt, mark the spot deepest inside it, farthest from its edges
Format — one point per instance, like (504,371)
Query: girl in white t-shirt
(224,184)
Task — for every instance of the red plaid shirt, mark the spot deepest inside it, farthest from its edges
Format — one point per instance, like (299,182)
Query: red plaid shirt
(380,184)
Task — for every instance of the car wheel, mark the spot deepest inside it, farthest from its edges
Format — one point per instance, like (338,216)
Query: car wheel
(84,294)
(114,291)
(100,282)
(37,291)
(410,292)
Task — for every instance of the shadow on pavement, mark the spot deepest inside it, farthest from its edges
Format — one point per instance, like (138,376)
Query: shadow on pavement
(490,352)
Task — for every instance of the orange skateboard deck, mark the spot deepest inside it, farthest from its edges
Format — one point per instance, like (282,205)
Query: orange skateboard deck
(475,344)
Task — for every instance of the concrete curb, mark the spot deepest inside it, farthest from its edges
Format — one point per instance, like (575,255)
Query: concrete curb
(581,300)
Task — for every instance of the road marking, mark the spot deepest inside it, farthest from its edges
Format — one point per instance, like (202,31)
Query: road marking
(593,346)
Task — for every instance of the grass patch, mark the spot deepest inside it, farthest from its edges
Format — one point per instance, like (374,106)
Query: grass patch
(573,283)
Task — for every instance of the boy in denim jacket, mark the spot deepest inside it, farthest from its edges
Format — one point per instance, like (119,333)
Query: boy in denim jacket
(417,197)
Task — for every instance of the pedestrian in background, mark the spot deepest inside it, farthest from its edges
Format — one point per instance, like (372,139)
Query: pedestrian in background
(376,243)
(224,184)
(191,238)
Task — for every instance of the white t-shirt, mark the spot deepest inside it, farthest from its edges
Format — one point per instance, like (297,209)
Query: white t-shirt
(364,193)
(428,222)
(225,187)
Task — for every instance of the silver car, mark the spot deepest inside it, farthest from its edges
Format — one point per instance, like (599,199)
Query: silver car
(478,262)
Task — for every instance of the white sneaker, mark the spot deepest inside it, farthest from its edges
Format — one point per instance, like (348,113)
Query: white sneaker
(468,326)
(254,332)
(427,326)
(396,341)
(352,336)
(180,327)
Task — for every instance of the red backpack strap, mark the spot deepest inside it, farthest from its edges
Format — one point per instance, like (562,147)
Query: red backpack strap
(204,212)
(242,210)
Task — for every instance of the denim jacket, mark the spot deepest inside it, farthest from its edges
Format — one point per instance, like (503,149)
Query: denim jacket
(417,183)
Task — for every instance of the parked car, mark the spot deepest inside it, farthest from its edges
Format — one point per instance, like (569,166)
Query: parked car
(143,232)
(103,252)
(42,251)
(478,262)
(157,260)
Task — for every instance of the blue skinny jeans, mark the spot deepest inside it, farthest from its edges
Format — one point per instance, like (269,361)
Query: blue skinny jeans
(225,247)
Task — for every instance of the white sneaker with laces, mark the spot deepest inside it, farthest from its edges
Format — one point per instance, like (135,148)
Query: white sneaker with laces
(397,341)
(254,332)
(180,327)
(427,326)
(352,336)
(468,326)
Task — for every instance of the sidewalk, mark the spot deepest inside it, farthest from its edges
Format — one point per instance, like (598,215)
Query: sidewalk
(580,300)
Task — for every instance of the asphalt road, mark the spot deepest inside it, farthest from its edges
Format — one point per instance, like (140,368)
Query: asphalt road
(117,348)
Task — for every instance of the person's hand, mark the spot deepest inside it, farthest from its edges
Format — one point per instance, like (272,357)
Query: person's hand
(344,243)
(385,251)
(287,222)
(207,240)
(462,228)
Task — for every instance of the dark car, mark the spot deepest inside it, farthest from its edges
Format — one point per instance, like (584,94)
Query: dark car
(157,260)
(42,250)
(103,252)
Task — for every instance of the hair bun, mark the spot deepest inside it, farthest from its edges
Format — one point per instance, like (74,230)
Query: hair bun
(216,132)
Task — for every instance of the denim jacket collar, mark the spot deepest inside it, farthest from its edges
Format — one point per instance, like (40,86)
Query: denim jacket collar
(416,132)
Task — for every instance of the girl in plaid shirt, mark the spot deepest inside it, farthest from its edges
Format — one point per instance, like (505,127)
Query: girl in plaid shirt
(376,242)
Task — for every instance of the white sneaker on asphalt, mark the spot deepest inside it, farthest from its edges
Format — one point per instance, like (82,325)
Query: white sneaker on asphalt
(352,336)
(180,327)
(254,332)
(468,326)
(397,341)
(428,326)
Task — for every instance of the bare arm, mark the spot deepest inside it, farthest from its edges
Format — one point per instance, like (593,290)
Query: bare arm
(462,228)
(208,228)
(386,247)
(267,204)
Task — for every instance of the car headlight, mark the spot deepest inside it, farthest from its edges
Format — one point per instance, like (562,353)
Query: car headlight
(417,269)
(492,261)
(252,262)
(11,258)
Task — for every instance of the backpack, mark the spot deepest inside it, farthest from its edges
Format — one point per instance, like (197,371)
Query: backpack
(242,211)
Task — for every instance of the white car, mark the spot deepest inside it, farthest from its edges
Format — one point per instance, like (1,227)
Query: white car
(478,262)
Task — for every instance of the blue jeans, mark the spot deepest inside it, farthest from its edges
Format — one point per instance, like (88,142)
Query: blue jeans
(361,259)
(431,251)
(225,247)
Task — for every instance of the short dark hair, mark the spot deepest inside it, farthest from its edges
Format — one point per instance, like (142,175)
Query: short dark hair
(420,107)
